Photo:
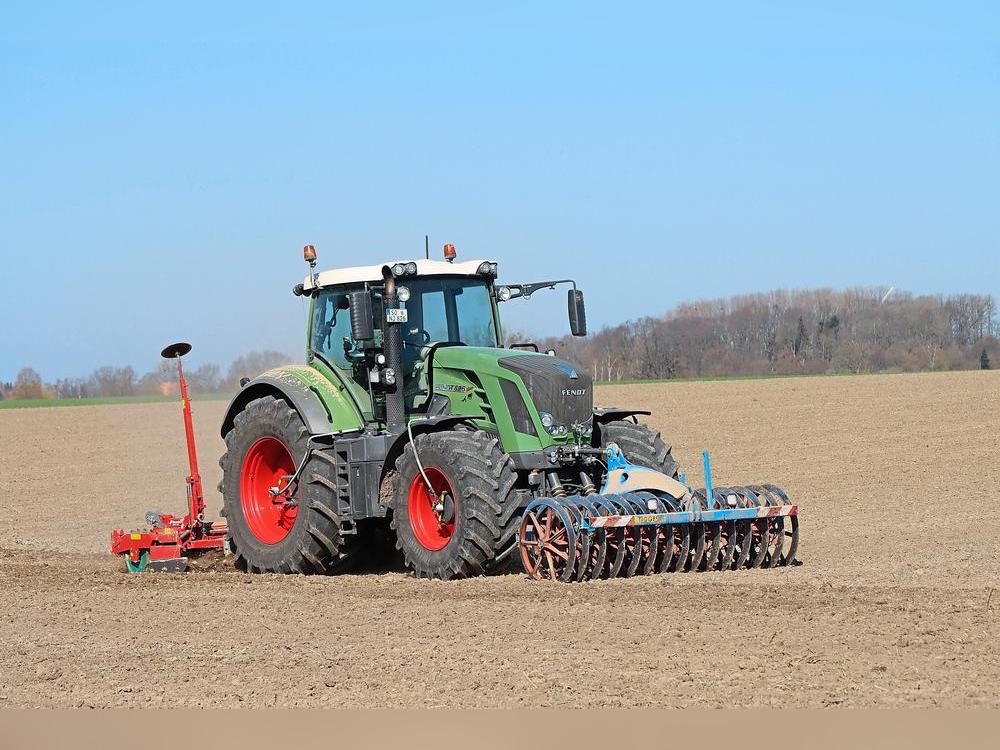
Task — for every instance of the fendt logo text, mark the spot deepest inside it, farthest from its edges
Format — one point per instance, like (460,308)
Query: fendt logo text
(574,392)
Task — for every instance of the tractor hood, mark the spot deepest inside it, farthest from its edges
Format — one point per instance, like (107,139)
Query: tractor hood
(555,387)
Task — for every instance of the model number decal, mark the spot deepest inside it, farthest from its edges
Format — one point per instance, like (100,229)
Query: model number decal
(454,389)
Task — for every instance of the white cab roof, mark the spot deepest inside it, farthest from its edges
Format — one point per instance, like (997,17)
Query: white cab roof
(360,274)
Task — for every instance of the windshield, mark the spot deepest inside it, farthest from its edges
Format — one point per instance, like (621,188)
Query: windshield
(449,309)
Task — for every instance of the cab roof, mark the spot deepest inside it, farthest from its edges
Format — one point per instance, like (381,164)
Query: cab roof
(361,274)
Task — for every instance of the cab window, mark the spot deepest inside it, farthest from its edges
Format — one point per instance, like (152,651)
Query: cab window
(331,327)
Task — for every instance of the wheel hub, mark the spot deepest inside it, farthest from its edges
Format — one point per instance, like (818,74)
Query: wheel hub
(270,515)
(432,510)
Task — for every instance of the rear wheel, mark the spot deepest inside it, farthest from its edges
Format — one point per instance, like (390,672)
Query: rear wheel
(454,527)
(269,532)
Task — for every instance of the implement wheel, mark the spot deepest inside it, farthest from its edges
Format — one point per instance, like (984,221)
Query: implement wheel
(140,565)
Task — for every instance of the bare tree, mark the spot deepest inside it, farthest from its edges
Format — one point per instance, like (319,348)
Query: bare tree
(28,386)
(114,381)
(812,331)
(251,365)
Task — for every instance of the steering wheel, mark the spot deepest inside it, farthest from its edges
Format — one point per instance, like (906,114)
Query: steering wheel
(352,350)
(424,336)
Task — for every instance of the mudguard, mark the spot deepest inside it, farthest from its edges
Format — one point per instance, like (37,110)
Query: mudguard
(419,427)
(323,407)
(603,416)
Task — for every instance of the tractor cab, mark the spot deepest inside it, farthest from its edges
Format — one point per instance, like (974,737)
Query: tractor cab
(438,304)
(434,305)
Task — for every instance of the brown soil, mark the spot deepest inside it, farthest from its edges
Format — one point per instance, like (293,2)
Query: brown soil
(897,478)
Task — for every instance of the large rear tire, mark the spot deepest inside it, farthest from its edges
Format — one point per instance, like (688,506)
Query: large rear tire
(267,534)
(456,531)
(640,446)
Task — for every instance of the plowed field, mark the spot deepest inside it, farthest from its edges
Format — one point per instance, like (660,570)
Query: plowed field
(897,478)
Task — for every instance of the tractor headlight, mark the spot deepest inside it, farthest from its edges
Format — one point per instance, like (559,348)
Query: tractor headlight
(488,269)
(404,269)
(504,294)
(549,423)
(403,294)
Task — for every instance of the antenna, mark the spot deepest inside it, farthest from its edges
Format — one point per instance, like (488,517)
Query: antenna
(427,247)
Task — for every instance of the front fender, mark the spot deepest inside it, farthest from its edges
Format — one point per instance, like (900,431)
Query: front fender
(612,414)
(420,427)
(603,416)
(321,405)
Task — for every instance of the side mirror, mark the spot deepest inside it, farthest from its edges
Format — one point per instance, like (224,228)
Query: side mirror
(362,316)
(577,313)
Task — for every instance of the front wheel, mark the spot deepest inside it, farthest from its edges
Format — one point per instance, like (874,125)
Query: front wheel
(449,518)
(640,446)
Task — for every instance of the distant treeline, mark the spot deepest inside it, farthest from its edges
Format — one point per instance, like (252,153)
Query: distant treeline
(796,332)
(109,382)
(776,333)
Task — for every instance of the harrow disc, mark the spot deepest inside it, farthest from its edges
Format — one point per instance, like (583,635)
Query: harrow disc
(621,539)
(770,551)
(787,527)
(743,531)
(665,542)
(592,547)
(714,533)
(611,540)
(548,541)
(639,538)
(682,542)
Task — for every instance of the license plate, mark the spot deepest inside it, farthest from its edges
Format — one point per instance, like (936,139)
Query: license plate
(395,315)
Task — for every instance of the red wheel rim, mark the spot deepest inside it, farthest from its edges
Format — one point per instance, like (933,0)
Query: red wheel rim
(434,530)
(267,464)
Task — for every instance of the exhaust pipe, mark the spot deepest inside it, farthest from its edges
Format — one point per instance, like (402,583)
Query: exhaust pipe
(395,410)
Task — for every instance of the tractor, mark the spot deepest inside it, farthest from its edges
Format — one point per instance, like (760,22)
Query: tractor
(413,421)
(411,412)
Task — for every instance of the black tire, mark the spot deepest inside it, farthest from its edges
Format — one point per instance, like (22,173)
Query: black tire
(482,479)
(641,446)
(313,543)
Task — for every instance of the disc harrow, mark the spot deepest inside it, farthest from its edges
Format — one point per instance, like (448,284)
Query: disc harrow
(655,524)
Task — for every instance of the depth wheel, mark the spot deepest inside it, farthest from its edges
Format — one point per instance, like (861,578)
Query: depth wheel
(140,565)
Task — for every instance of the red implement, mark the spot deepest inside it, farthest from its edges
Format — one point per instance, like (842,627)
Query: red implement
(165,546)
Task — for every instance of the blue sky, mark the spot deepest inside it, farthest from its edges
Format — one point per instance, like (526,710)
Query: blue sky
(162,169)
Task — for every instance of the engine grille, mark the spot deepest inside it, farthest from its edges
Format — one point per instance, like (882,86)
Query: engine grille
(560,388)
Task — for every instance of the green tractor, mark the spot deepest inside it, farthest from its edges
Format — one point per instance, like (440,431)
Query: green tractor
(412,419)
